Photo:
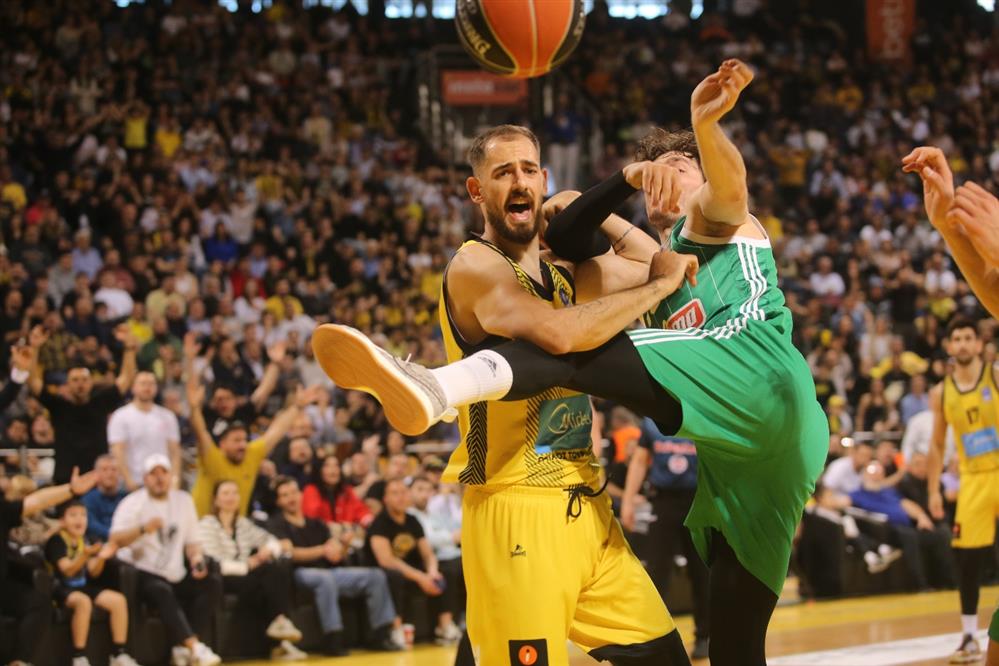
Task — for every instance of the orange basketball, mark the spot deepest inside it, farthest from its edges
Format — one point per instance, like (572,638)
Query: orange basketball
(520,38)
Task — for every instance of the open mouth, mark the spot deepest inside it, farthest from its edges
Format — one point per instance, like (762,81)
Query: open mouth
(519,210)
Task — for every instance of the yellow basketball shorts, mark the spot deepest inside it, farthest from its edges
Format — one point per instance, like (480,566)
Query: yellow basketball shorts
(536,578)
(977,510)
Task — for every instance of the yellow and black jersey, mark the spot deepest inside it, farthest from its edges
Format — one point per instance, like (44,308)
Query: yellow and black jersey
(543,441)
(973,416)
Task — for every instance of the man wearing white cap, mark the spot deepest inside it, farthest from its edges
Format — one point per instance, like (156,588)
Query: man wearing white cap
(156,528)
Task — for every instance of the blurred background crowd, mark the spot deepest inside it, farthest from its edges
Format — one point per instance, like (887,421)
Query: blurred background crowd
(199,189)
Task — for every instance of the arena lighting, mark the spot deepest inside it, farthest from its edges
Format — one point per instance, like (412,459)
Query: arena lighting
(988,5)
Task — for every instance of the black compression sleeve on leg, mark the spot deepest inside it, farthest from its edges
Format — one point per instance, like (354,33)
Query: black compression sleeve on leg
(574,234)
(741,607)
(969,569)
(614,371)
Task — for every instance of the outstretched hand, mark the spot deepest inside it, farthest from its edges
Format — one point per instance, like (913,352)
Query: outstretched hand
(717,94)
(938,181)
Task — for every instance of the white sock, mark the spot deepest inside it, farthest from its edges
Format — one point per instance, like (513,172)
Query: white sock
(969,624)
(484,375)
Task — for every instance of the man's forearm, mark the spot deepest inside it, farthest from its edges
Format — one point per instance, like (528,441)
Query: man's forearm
(126,537)
(983,278)
(587,326)
(574,234)
(725,193)
(636,474)
(307,553)
(45,498)
(129,368)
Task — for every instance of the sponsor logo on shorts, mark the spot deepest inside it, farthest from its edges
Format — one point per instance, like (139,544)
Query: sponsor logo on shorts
(690,315)
(529,653)
(518,551)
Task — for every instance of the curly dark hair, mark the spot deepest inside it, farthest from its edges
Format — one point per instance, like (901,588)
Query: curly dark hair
(659,142)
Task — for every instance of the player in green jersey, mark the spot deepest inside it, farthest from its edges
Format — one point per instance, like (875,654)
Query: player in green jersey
(716,364)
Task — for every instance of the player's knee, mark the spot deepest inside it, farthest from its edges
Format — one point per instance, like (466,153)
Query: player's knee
(666,650)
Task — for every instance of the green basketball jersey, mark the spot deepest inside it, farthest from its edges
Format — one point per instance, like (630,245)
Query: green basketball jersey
(723,350)
(736,283)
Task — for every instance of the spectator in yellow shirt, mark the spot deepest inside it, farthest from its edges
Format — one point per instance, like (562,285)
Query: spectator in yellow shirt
(234,458)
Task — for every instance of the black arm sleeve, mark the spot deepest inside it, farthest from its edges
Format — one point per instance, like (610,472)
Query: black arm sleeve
(574,234)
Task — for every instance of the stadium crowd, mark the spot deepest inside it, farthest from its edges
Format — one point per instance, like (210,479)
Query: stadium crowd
(185,193)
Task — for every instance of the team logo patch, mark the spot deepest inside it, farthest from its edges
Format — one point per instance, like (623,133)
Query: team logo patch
(690,315)
(986,393)
(678,464)
(529,653)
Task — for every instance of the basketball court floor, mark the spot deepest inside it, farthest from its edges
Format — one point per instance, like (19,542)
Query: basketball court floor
(912,629)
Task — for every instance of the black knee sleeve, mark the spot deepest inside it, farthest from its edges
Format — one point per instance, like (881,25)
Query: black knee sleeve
(666,650)
(969,565)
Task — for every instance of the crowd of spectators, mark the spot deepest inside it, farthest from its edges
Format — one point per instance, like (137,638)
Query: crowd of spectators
(186,192)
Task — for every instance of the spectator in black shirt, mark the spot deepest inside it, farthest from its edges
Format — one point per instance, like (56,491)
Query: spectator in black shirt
(396,541)
(20,599)
(318,559)
(80,415)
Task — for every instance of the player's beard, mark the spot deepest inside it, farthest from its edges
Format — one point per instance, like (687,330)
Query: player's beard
(520,234)
(964,360)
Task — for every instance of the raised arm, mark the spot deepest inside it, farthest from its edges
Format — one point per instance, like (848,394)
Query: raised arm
(724,195)
(79,484)
(272,373)
(284,419)
(38,337)
(580,225)
(501,307)
(966,223)
(935,458)
(129,368)
(195,399)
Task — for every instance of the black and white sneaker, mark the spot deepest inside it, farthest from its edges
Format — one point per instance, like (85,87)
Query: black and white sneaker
(411,396)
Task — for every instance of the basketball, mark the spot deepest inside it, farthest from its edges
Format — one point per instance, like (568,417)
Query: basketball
(520,38)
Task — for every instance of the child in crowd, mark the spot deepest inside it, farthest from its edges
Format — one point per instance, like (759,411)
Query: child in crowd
(82,581)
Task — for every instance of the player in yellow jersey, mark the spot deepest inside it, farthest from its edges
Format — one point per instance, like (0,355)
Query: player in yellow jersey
(544,559)
(966,401)
(968,219)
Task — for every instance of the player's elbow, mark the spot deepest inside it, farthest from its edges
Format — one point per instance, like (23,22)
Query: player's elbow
(553,339)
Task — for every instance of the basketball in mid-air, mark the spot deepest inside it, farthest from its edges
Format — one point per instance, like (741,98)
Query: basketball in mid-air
(520,38)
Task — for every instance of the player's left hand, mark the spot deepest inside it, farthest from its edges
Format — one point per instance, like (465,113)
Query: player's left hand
(672,267)
(717,94)
(976,212)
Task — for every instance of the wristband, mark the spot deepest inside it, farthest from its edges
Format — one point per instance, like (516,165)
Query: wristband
(19,376)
